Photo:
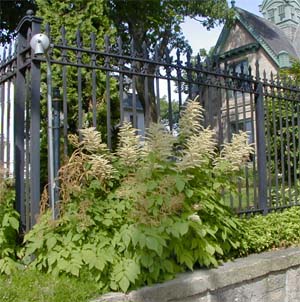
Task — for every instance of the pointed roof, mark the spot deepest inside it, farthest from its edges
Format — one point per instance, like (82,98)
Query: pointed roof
(271,38)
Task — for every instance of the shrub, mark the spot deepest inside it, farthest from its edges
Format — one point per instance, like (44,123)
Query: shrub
(145,213)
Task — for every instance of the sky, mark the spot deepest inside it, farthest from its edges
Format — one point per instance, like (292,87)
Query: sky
(199,37)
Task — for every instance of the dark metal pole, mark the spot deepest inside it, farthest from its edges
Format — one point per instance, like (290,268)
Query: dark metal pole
(261,149)
(35,127)
(56,143)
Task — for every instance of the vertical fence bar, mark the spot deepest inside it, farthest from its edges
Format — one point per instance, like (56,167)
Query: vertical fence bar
(157,84)
(246,169)
(134,79)
(179,79)
(168,73)
(56,143)
(19,129)
(189,73)
(108,105)
(121,80)
(288,149)
(268,138)
(2,110)
(94,81)
(27,151)
(8,122)
(294,152)
(261,144)
(254,158)
(275,142)
(79,82)
(298,145)
(282,154)
(146,88)
(64,88)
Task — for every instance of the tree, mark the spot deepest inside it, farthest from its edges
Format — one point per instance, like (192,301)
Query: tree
(76,20)
(11,12)
(155,25)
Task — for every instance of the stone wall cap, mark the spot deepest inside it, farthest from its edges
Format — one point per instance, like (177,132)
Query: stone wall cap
(204,280)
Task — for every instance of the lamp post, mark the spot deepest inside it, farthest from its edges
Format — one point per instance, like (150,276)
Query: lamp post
(40,44)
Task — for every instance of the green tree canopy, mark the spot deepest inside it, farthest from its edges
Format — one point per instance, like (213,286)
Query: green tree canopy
(11,12)
(155,25)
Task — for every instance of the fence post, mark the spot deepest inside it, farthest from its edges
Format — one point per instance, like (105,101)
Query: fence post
(261,145)
(28,26)
(56,145)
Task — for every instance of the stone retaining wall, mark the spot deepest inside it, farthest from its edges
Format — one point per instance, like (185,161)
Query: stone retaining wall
(267,277)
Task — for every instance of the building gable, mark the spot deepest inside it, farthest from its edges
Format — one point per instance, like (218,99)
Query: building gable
(254,31)
(244,38)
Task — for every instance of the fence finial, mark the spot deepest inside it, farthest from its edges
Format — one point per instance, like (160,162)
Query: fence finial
(30,12)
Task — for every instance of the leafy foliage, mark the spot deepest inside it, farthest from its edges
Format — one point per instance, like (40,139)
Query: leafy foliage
(282,129)
(11,12)
(77,21)
(9,227)
(143,220)
(275,230)
(157,26)
(30,285)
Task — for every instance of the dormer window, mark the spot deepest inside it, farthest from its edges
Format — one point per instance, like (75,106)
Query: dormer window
(271,15)
(281,12)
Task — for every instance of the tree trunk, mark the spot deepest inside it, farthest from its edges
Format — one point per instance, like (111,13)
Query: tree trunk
(147,94)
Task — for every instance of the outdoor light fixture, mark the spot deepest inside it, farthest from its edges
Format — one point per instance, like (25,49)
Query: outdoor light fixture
(40,44)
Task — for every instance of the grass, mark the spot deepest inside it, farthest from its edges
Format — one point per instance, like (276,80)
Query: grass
(32,286)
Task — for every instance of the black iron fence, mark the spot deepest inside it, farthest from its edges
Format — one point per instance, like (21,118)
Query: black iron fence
(103,87)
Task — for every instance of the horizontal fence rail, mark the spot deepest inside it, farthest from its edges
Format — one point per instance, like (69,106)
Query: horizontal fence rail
(101,88)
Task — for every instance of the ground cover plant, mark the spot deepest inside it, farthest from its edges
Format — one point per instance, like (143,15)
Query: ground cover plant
(275,230)
(33,286)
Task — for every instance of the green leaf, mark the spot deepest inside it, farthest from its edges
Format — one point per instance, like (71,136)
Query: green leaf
(132,271)
(168,265)
(179,184)
(89,257)
(153,244)
(210,249)
(189,193)
(124,284)
(181,227)
(126,238)
(52,258)
(14,223)
(51,242)
(74,270)
(146,260)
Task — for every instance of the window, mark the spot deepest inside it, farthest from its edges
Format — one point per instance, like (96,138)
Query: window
(242,125)
(281,12)
(239,70)
(271,15)
(131,120)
